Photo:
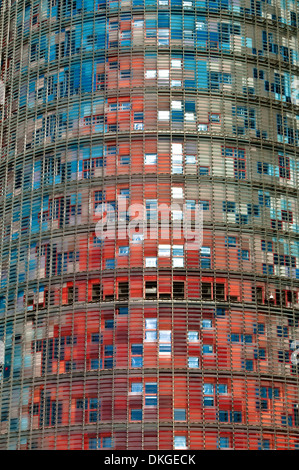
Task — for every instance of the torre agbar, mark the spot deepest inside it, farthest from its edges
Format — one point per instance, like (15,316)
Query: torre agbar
(141,340)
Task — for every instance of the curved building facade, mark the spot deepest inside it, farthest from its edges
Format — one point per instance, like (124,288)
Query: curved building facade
(138,341)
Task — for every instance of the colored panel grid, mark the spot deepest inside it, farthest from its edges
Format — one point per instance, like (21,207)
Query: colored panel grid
(137,340)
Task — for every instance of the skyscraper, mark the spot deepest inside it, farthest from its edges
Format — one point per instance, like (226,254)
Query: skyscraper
(135,339)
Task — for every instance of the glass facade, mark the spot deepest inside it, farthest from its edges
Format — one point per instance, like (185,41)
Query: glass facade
(138,342)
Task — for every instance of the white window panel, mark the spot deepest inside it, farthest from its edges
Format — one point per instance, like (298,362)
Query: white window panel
(150,336)
(136,388)
(177,149)
(178,262)
(176,105)
(177,193)
(150,262)
(193,362)
(137,238)
(150,74)
(163,115)
(165,336)
(176,83)
(208,389)
(190,117)
(163,33)
(165,342)
(177,159)
(163,73)
(191,159)
(200,26)
(206,324)
(138,24)
(150,159)
(151,323)
(176,63)
(193,336)
(177,215)
(177,169)
(164,251)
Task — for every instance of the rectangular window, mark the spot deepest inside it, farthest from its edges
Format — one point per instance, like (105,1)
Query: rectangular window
(223,416)
(123,251)
(125,74)
(151,206)
(136,415)
(214,118)
(163,115)
(151,290)
(108,356)
(98,199)
(109,324)
(72,294)
(110,263)
(236,416)
(150,262)
(206,291)
(208,391)
(223,443)
(206,324)
(229,206)
(193,362)
(177,193)
(136,387)
(204,170)
(95,338)
(284,167)
(151,329)
(150,159)
(96,292)
(205,257)
(136,355)
(264,444)
(207,349)
(164,342)
(124,159)
(205,205)
(222,389)
(150,397)
(219,291)
(92,412)
(94,363)
(123,290)
(164,251)
(287,216)
(178,290)
(267,246)
(180,442)
(123,310)
(245,255)
(193,336)
(231,241)
(150,73)
(179,414)
(263,168)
